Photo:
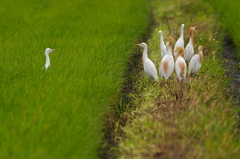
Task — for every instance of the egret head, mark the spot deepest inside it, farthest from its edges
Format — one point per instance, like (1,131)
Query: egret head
(167,44)
(180,50)
(191,29)
(160,32)
(48,50)
(200,48)
(182,26)
(143,45)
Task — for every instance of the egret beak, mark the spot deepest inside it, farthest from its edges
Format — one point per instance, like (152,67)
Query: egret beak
(138,44)
(53,49)
(175,50)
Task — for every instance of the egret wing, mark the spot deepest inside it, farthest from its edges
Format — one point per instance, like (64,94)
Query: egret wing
(193,65)
(188,52)
(150,69)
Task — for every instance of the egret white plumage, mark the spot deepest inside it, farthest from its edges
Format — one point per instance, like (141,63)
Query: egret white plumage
(180,41)
(167,63)
(47,52)
(196,62)
(189,50)
(180,64)
(148,65)
(162,45)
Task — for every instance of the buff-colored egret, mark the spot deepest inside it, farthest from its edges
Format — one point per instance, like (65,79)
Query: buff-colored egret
(148,65)
(162,45)
(189,50)
(167,63)
(47,52)
(180,41)
(180,64)
(196,62)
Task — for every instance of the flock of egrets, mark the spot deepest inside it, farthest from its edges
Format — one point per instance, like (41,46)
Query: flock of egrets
(183,58)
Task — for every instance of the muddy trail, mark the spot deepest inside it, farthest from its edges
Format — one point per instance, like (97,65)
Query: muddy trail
(233,68)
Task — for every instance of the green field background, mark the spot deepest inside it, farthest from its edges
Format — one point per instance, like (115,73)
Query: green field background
(58,113)
(229,15)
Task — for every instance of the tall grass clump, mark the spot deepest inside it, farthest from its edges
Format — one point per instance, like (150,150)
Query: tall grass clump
(58,113)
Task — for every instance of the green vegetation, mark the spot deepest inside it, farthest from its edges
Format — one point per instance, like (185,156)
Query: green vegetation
(161,121)
(230,15)
(58,113)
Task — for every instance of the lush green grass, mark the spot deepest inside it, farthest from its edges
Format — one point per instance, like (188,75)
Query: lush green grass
(230,15)
(57,113)
(198,122)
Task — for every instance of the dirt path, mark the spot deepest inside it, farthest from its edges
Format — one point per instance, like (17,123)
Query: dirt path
(233,71)
(233,68)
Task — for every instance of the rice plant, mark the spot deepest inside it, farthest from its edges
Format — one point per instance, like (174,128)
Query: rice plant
(58,113)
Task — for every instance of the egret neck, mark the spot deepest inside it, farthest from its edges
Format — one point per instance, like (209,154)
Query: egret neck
(144,57)
(200,56)
(47,60)
(169,51)
(182,32)
(161,40)
(191,39)
(169,47)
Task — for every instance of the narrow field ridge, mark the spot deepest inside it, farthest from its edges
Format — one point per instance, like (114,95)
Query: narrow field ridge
(165,120)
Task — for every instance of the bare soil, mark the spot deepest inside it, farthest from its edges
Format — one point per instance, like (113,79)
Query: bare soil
(233,68)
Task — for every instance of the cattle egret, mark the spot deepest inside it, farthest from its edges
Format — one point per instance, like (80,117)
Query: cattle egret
(196,62)
(189,51)
(167,63)
(148,65)
(180,64)
(47,51)
(180,41)
(162,45)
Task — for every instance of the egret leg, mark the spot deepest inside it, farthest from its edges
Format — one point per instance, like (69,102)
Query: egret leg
(187,62)
(181,83)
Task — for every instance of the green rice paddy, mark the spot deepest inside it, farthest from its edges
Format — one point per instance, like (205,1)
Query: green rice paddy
(58,113)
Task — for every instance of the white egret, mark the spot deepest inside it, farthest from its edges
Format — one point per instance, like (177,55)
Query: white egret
(148,65)
(167,63)
(162,45)
(180,64)
(47,51)
(180,41)
(189,50)
(196,62)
